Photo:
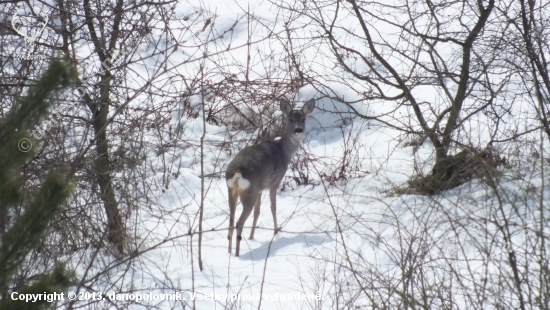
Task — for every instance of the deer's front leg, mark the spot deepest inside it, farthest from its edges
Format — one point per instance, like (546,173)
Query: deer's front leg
(273,198)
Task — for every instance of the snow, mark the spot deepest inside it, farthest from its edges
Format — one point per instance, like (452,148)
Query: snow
(325,225)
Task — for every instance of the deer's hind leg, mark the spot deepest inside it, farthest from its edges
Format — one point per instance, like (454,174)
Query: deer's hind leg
(233,199)
(256,214)
(248,199)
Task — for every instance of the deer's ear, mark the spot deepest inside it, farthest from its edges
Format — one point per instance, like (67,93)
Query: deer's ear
(308,107)
(285,106)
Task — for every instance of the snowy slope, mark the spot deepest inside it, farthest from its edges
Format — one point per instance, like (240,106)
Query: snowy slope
(326,227)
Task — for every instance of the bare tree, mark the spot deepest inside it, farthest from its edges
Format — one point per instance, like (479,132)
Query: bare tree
(397,54)
(440,71)
(530,59)
(113,40)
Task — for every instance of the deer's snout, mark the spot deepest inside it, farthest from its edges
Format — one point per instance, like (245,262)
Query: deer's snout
(298,130)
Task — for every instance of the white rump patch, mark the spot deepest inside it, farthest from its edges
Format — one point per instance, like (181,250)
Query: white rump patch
(238,179)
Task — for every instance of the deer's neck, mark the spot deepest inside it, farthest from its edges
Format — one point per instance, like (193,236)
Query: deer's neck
(290,145)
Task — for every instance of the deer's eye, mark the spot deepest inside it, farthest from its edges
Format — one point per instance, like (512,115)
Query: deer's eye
(292,120)
(303,119)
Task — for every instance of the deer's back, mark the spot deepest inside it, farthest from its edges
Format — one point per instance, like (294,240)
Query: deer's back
(263,164)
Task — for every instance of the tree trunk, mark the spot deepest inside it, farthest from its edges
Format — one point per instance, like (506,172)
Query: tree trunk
(103,171)
(441,164)
(103,48)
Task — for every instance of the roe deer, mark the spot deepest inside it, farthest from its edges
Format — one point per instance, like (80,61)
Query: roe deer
(263,166)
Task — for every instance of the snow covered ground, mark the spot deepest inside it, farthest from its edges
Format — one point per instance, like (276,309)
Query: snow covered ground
(347,244)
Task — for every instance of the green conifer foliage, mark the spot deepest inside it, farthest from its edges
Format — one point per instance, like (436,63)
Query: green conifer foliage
(39,208)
